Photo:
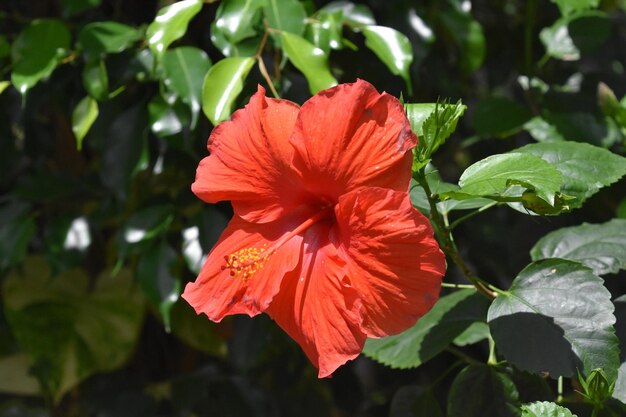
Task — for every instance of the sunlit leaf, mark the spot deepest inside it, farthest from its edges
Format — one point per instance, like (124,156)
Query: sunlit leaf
(310,60)
(569,6)
(542,131)
(95,327)
(184,70)
(285,15)
(483,391)
(325,32)
(4,85)
(359,14)
(585,168)
(601,247)
(576,323)
(101,38)
(393,48)
(236,19)
(83,117)
(222,85)
(246,48)
(545,409)
(432,333)
(578,33)
(166,119)
(37,51)
(170,24)
(143,226)
(493,175)
(16,378)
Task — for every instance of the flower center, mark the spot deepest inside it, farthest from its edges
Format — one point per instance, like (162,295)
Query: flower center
(245,262)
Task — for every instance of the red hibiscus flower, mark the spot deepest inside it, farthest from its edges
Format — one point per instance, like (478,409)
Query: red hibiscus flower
(324,238)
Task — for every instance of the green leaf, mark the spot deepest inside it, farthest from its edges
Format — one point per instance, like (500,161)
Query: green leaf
(477,332)
(545,409)
(236,19)
(619,391)
(493,175)
(157,272)
(285,15)
(16,378)
(95,326)
(96,79)
(5,47)
(83,117)
(325,32)
(222,85)
(310,60)
(245,48)
(196,331)
(184,69)
(393,48)
(357,14)
(601,247)
(569,6)
(542,131)
(144,225)
(165,119)
(170,24)
(71,7)
(37,51)
(450,316)
(432,128)
(4,85)
(499,116)
(585,168)
(415,401)
(561,304)
(468,34)
(572,35)
(17,228)
(483,391)
(100,38)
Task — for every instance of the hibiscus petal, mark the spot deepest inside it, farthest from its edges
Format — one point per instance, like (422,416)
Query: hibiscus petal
(250,160)
(395,263)
(350,136)
(217,292)
(317,308)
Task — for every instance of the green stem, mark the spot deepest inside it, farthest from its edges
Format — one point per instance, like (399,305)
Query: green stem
(472,214)
(445,239)
(492,352)
(559,390)
(457,286)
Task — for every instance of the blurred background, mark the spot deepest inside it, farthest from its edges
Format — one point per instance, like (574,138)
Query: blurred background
(99,230)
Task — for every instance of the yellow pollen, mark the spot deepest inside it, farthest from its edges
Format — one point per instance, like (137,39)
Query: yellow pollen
(246,262)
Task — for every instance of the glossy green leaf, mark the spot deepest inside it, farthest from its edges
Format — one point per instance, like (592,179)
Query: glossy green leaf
(476,332)
(579,33)
(483,391)
(569,6)
(170,24)
(355,13)
(99,38)
(83,117)
(601,247)
(393,48)
(166,119)
(222,85)
(236,19)
(619,391)
(325,32)
(37,51)
(71,7)
(499,116)
(450,316)
(144,225)
(184,70)
(417,113)
(96,79)
(494,174)
(545,409)
(285,15)
(310,60)
(561,304)
(245,48)
(157,272)
(95,326)
(585,168)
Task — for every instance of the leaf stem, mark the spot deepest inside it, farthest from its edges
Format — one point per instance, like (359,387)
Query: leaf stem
(457,286)
(446,241)
(472,214)
(263,68)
